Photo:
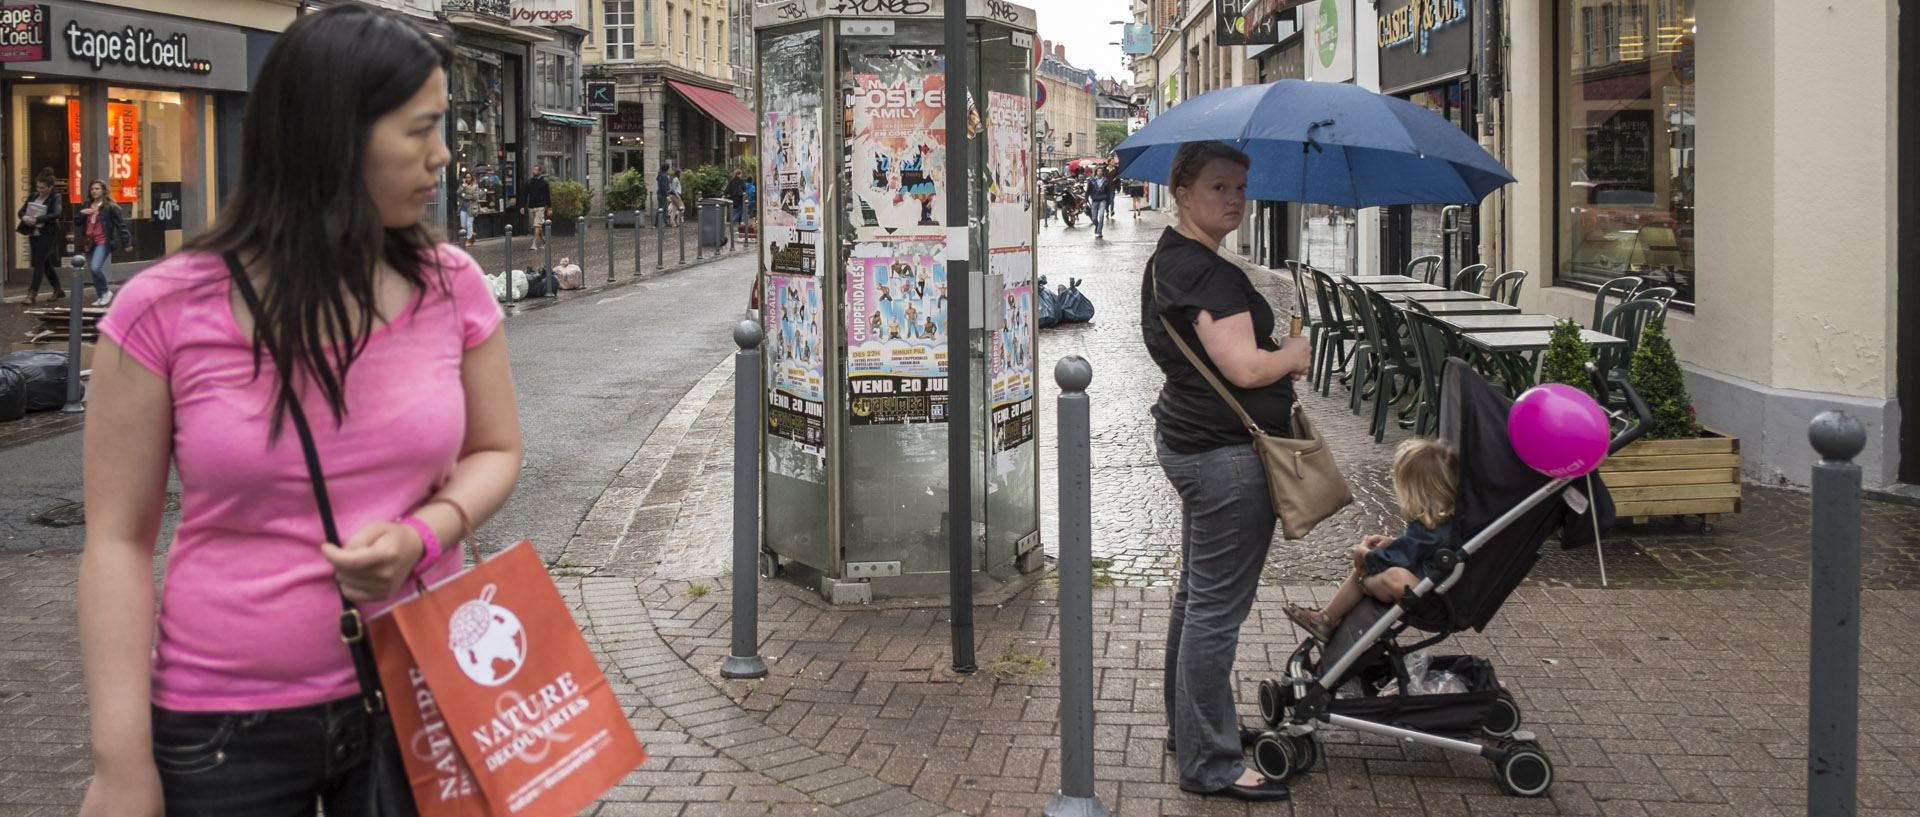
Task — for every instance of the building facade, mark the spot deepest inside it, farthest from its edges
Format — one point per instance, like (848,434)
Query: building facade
(146,97)
(1068,109)
(673,64)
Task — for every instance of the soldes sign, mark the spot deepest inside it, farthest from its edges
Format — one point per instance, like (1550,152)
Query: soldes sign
(527,13)
(132,46)
(23,33)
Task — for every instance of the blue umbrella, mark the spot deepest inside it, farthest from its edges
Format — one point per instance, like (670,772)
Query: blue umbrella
(1323,142)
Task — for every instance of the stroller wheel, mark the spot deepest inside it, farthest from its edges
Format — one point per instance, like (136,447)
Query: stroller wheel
(1275,698)
(1503,717)
(1525,771)
(1274,756)
(1306,752)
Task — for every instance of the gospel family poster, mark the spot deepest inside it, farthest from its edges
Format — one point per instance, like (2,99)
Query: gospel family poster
(897,143)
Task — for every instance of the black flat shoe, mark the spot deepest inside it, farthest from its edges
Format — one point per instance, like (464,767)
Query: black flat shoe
(1248,737)
(1266,791)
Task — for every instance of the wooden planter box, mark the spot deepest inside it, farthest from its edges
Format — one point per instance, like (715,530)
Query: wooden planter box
(1673,477)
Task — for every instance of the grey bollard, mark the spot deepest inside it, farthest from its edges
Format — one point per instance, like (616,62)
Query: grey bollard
(74,328)
(547,247)
(637,215)
(699,240)
(660,239)
(609,246)
(744,661)
(1833,711)
(1076,798)
(580,244)
(508,230)
(680,235)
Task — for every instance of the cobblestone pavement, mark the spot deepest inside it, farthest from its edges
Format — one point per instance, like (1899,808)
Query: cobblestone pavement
(1649,697)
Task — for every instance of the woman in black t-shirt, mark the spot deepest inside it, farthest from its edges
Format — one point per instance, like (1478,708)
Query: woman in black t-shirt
(1226,517)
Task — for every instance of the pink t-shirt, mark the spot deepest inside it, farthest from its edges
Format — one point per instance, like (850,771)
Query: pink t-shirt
(249,611)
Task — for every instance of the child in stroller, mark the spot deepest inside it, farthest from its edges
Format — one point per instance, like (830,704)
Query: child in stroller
(1385,567)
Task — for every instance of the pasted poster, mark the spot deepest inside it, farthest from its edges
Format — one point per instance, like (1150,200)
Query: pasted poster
(796,399)
(897,333)
(897,143)
(790,157)
(1010,356)
(1010,168)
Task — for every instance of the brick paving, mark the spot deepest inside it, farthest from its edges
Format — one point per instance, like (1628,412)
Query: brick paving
(1679,690)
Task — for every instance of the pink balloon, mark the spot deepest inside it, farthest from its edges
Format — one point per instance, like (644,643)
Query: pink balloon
(1558,430)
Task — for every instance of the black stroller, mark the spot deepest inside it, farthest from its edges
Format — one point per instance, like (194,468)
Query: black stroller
(1508,510)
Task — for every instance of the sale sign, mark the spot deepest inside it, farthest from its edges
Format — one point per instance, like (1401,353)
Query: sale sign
(123,152)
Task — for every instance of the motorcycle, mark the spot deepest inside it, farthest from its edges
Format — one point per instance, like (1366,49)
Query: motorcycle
(1071,201)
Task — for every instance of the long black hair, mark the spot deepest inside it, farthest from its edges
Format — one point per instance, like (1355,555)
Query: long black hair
(301,206)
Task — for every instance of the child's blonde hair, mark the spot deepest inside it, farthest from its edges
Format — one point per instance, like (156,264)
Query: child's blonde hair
(1424,475)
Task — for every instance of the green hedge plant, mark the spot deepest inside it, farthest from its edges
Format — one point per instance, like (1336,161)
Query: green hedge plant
(1656,374)
(627,191)
(1566,358)
(569,200)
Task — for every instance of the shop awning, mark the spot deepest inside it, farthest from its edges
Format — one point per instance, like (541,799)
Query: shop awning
(567,119)
(720,105)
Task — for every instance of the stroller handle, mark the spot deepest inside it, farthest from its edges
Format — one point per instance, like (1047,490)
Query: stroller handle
(1643,417)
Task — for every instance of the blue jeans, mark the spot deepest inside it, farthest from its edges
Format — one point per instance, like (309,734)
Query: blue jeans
(278,762)
(97,262)
(1226,525)
(1099,209)
(466,223)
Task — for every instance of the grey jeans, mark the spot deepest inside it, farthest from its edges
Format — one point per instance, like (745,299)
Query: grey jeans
(1226,524)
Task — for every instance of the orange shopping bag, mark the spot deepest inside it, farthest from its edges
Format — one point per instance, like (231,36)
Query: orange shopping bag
(442,784)
(516,688)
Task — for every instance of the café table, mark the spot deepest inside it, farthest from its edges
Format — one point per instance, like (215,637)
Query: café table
(1463,323)
(1434,297)
(1402,286)
(1509,351)
(1448,308)
(1380,279)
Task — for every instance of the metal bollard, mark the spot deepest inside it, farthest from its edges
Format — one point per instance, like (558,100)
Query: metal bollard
(1076,798)
(660,239)
(1833,712)
(580,243)
(547,247)
(699,242)
(680,235)
(509,234)
(744,662)
(609,246)
(74,327)
(637,214)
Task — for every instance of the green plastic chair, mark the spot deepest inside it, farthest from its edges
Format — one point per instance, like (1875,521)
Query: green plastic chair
(1626,322)
(1303,305)
(1337,329)
(1621,288)
(1506,288)
(1468,280)
(1663,295)
(1424,268)
(1385,363)
(1432,343)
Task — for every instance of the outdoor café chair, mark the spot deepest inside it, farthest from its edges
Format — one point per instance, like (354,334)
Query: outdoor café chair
(1337,328)
(1506,288)
(1468,280)
(1626,322)
(1662,294)
(1432,343)
(1424,268)
(1621,288)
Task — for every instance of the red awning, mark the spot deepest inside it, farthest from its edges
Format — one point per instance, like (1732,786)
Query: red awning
(720,105)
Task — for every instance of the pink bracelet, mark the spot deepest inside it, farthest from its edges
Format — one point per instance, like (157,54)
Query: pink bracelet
(429,542)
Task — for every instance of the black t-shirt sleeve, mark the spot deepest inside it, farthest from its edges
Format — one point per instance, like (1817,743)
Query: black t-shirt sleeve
(1193,283)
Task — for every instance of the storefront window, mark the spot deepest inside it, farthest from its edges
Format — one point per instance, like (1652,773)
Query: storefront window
(1424,227)
(1627,143)
(478,122)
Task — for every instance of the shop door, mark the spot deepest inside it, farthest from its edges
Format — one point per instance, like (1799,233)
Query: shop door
(1432,229)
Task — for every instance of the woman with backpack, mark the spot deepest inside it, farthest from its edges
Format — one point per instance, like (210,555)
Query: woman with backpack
(106,230)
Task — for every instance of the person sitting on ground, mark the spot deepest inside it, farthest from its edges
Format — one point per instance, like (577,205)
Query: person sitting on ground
(1425,474)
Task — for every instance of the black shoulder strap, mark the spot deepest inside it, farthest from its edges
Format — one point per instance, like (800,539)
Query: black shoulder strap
(353,630)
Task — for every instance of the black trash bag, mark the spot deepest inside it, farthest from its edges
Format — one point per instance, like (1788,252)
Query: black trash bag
(542,283)
(13,396)
(1074,306)
(44,374)
(1049,305)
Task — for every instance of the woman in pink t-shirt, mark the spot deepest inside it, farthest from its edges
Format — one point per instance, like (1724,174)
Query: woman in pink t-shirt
(240,697)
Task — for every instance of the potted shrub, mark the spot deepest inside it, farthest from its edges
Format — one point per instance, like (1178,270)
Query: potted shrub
(626,193)
(1566,358)
(569,203)
(1679,466)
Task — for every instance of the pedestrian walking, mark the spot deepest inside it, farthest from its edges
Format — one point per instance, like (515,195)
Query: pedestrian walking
(106,230)
(1136,190)
(1100,198)
(39,221)
(244,699)
(470,195)
(663,189)
(737,193)
(676,195)
(1227,517)
(539,198)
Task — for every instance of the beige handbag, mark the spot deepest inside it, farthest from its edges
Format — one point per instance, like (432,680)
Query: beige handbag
(1302,480)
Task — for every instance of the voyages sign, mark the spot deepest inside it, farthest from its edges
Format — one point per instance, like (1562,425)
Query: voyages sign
(527,13)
